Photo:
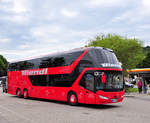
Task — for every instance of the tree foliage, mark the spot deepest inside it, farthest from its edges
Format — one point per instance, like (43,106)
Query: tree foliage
(146,61)
(128,51)
(146,50)
(3,66)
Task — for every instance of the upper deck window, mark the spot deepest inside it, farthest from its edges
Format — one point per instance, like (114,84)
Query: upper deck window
(57,60)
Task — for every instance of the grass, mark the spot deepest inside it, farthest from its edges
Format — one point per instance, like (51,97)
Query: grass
(132,90)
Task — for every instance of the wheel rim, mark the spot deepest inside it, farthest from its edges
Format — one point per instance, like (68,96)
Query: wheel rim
(73,99)
(25,94)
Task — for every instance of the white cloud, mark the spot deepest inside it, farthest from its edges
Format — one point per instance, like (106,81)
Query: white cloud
(18,19)
(69,13)
(106,3)
(146,5)
(18,11)
(144,26)
(124,17)
(5,1)
(136,14)
(32,53)
(4,40)
(20,6)
(45,30)
(24,46)
(47,45)
(16,6)
(144,9)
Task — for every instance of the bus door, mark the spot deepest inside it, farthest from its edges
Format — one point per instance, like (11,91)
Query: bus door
(89,88)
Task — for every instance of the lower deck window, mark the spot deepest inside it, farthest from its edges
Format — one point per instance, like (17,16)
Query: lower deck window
(60,80)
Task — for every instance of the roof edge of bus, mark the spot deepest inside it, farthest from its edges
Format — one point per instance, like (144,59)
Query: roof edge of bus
(44,55)
(65,51)
(103,48)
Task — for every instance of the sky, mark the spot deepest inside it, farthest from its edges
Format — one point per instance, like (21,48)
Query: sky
(31,28)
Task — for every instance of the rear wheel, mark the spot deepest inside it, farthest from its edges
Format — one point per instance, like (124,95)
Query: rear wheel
(72,99)
(18,92)
(25,94)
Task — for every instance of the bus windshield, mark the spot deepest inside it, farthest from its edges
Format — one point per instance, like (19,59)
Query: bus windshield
(113,81)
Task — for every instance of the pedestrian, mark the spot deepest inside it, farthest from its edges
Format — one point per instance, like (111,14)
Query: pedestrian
(145,86)
(139,85)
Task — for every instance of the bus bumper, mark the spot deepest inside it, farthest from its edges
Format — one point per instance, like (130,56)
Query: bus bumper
(109,97)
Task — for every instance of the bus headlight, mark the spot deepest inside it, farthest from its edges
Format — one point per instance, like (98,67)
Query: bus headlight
(102,97)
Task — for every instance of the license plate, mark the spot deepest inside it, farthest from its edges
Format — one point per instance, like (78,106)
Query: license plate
(114,100)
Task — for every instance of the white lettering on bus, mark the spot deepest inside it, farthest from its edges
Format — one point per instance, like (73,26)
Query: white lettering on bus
(34,72)
(110,65)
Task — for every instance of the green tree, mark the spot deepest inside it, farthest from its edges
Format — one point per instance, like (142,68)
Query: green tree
(146,62)
(3,66)
(128,51)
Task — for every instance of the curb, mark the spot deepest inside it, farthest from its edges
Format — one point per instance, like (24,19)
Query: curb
(129,95)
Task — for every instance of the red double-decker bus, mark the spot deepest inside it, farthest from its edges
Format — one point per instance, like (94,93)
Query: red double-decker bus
(86,75)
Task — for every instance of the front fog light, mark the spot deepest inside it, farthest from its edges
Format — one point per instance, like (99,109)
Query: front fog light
(102,97)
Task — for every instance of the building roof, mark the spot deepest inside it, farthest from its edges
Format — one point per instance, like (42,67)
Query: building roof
(140,70)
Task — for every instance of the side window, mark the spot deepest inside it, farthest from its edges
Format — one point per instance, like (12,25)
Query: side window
(28,64)
(59,61)
(36,63)
(13,67)
(39,80)
(84,64)
(64,59)
(71,57)
(82,82)
(46,62)
(61,80)
(87,82)
(21,65)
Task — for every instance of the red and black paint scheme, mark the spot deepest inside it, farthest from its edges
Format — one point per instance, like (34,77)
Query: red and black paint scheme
(87,75)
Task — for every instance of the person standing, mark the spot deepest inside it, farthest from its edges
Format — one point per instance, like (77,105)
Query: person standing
(145,86)
(139,85)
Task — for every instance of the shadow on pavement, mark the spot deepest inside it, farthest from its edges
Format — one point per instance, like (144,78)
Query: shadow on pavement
(92,106)
(104,106)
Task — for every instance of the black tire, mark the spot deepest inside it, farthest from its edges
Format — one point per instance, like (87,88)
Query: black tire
(72,99)
(25,94)
(18,92)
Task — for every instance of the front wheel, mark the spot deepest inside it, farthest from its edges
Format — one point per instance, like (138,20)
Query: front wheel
(72,99)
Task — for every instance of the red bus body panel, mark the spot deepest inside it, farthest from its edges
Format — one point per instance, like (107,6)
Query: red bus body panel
(17,80)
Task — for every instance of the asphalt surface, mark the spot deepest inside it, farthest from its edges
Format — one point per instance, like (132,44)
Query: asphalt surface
(134,109)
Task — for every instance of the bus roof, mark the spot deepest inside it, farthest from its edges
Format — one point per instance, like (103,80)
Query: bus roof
(59,53)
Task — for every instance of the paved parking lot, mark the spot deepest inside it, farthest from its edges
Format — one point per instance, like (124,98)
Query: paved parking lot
(18,110)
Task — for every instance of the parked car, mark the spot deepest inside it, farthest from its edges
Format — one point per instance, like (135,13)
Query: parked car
(128,85)
(4,83)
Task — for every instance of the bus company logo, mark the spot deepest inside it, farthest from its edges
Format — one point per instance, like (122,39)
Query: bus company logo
(111,65)
(34,72)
